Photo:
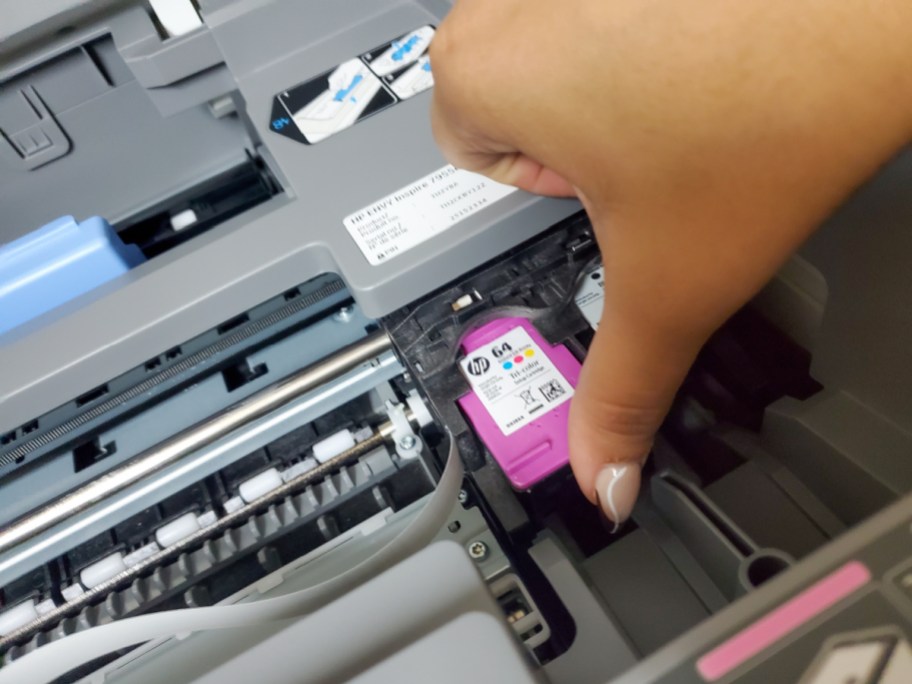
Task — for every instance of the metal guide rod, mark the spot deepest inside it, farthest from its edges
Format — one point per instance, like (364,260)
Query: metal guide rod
(193,438)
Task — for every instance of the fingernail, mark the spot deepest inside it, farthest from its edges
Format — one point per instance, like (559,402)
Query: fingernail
(616,487)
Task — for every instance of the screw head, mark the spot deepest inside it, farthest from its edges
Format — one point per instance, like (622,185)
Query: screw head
(478,550)
(408,442)
(463,496)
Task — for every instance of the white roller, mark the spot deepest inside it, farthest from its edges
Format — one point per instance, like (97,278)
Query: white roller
(72,592)
(462,302)
(333,445)
(141,554)
(183,219)
(45,607)
(298,469)
(207,518)
(102,571)
(419,409)
(233,504)
(177,529)
(17,616)
(261,484)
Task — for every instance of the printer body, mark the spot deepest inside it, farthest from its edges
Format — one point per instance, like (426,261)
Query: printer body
(283,395)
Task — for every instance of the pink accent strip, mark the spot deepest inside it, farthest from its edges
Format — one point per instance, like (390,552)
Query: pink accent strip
(786,618)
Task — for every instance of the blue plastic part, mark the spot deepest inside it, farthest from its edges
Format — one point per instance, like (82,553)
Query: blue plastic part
(56,263)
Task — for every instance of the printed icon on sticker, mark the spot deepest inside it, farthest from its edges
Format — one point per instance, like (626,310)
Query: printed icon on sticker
(552,391)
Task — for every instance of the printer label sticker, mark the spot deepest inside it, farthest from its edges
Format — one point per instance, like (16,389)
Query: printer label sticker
(419,211)
(590,296)
(515,380)
(332,102)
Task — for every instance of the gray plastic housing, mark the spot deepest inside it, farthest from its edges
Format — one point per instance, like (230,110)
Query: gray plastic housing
(402,625)
(264,48)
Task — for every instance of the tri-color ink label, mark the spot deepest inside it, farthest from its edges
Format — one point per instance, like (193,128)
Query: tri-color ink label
(515,380)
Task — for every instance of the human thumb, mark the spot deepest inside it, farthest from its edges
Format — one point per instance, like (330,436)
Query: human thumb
(625,389)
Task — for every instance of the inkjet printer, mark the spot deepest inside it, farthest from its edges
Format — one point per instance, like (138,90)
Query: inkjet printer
(283,395)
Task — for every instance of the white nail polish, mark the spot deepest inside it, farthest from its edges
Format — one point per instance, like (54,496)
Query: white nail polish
(618,485)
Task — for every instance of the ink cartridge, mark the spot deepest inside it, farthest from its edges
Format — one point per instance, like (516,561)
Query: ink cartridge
(520,399)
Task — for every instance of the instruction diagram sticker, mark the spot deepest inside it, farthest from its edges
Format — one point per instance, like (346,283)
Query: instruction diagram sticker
(416,79)
(333,101)
(418,212)
(403,64)
(338,99)
(400,53)
(590,296)
(515,380)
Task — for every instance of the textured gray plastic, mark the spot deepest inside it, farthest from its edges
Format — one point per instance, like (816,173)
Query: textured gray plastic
(494,656)
(418,597)
(600,649)
(720,553)
(879,543)
(846,450)
(124,155)
(623,572)
(156,62)
(863,252)
(859,429)
(25,23)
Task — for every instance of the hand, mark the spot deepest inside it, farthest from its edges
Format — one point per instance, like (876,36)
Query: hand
(706,140)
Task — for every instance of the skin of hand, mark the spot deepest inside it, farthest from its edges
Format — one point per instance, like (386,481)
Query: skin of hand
(706,139)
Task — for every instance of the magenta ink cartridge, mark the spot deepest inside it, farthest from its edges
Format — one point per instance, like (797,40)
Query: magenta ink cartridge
(520,398)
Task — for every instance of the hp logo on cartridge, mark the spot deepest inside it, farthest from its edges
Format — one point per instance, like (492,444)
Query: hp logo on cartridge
(478,366)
